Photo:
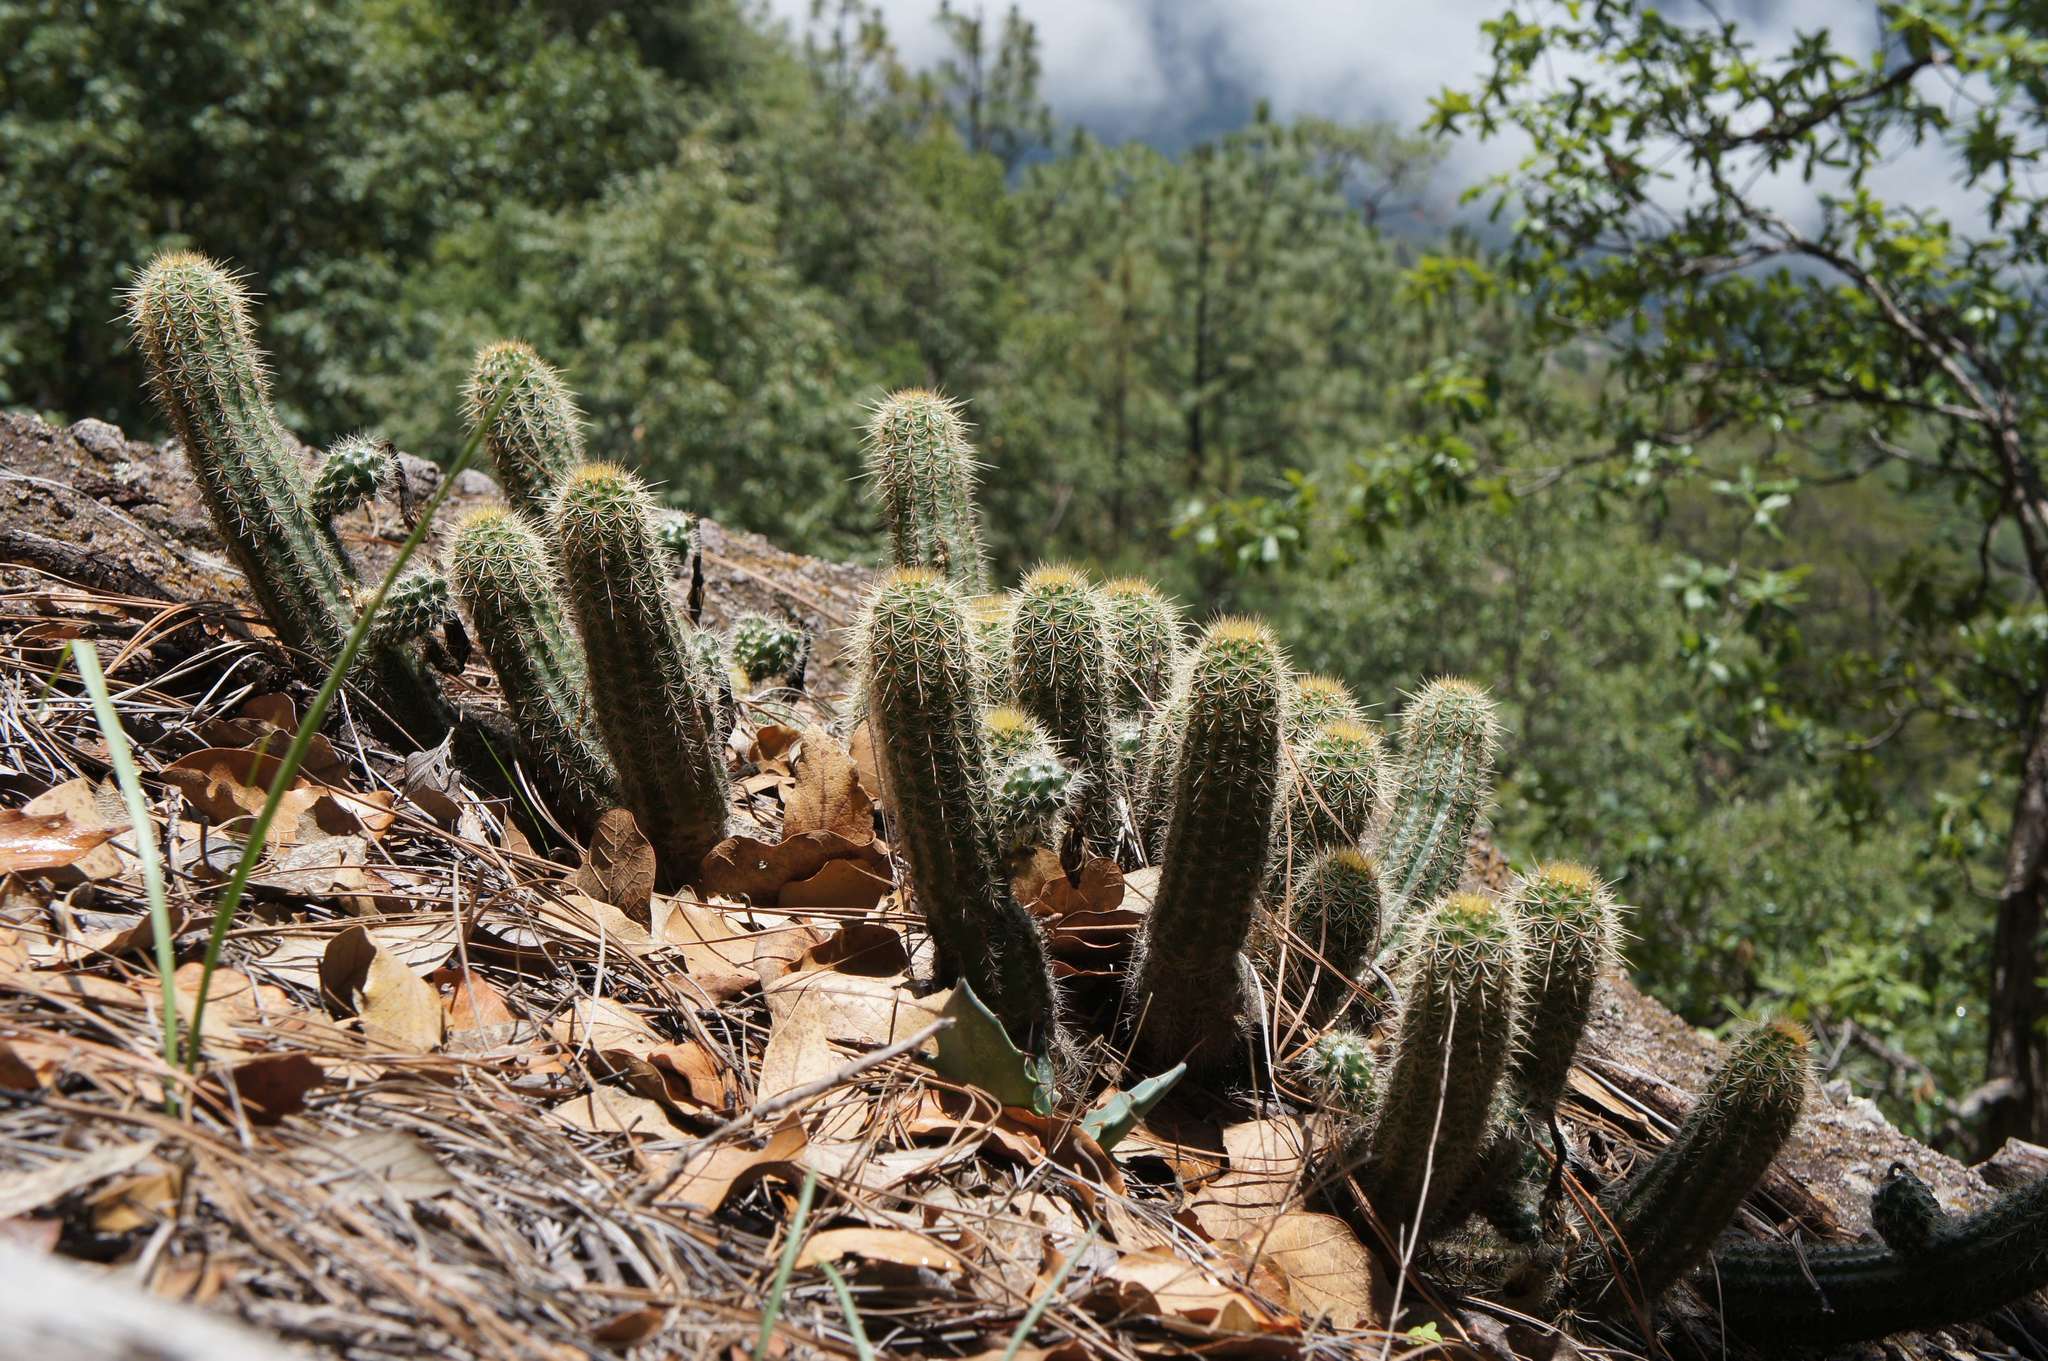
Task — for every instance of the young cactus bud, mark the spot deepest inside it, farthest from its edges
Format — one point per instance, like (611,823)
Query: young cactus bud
(191,320)
(677,535)
(537,435)
(652,700)
(1448,736)
(1337,913)
(1669,1211)
(923,468)
(925,706)
(766,649)
(1144,633)
(1938,1270)
(1335,794)
(1338,1068)
(1192,993)
(1458,1022)
(1060,667)
(350,475)
(415,606)
(1569,927)
(1032,796)
(1319,700)
(1011,733)
(505,577)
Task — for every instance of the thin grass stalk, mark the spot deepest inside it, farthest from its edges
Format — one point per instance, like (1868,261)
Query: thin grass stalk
(771,1308)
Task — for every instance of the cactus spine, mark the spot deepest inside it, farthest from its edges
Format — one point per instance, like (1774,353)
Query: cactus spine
(1337,913)
(765,649)
(648,691)
(1669,1211)
(1192,993)
(1455,1033)
(1061,671)
(923,469)
(350,475)
(537,435)
(1568,936)
(191,320)
(923,700)
(1144,632)
(1448,736)
(505,577)
(1933,1269)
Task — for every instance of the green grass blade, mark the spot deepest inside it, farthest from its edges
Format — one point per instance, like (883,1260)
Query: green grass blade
(309,727)
(86,658)
(862,1348)
(1049,1294)
(771,1308)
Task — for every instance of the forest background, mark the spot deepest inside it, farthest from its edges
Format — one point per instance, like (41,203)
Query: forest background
(1766,684)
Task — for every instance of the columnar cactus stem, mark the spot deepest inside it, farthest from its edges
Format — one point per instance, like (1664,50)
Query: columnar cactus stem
(1336,903)
(922,698)
(1569,928)
(1965,1266)
(1668,1212)
(1459,1019)
(1061,669)
(1192,994)
(415,606)
(1319,700)
(1448,736)
(923,468)
(1011,733)
(1335,795)
(989,615)
(658,720)
(536,437)
(505,577)
(350,474)
(1144,632)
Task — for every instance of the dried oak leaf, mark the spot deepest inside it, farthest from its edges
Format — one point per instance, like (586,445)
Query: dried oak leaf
(827,795)
(749,868)
(619,866)
(30,842)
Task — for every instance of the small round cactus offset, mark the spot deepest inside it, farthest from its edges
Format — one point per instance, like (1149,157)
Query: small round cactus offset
(653,705)
(1569,929)
(677,535)
(1060,669)
(766,650)
(536,437)
(923,469)
(504,575)
(1448,737)
(1460,990)
(1032,796)
(1144,633)
(1337,913)
(1011,733)
(417,604)
(1338,1068)
(350,474)
(922,697)
(1192,993)
(1669,1211)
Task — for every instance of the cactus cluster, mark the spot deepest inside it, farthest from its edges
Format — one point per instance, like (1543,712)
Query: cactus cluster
(1336,906)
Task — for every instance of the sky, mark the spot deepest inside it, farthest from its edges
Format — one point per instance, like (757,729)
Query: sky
(1171,71)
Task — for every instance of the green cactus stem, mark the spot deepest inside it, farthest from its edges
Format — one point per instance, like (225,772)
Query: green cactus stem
(677,535)
(1319,700)
(654,708)
(1144,635)
(1336,903)
(766,649)
(1460,988)
(1033,796)
(350,474)
(505,577)
(1941,1270)
(1061,672)
(191,320)
(1445,775)
(536,437)
(1338,1068)
(1152,781)
(1334,797)
(1666,1215)
(417,604)
(1011,733)
(989,615)
(923,469)
(1192,993)
(917,674)
(1569,927)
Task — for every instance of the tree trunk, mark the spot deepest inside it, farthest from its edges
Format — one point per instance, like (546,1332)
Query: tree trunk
(2018,1053)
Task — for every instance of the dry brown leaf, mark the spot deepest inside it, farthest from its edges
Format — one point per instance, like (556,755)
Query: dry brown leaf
(137,1202)
(717,953)
(799,1047)
(827,795)
(376,1165)
(30,842)
(854,1008)
(704,1179)
(1099,887)
(604,1023)
(1267,1158)
(846,885)
(619,866)
(692,1074)
(398,1007)
(473,1001)
(859,948)
(632,1327)
(1327,1273)
(607,1110)
(747,867)
(31,1189)
(227,783)
(1156,1283)
(329,867)
(772,742)
(269,1088)
(899,1246)
(860,745)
